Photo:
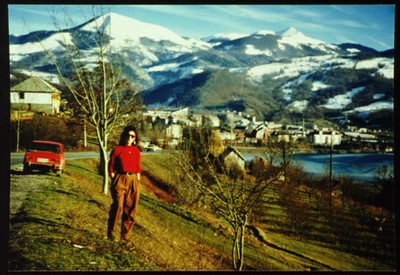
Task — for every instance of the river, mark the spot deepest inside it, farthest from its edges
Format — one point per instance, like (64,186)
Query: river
(362,167)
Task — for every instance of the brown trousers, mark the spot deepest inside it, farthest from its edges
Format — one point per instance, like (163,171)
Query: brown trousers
(125,192)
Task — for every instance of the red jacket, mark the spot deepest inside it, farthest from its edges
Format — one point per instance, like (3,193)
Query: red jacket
(124,159)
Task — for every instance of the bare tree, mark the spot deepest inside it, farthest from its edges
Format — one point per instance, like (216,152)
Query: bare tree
(102,95)
(16,123)
(282,152)
(231,194)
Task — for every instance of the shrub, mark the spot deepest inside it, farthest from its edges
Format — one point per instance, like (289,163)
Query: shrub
(65,130)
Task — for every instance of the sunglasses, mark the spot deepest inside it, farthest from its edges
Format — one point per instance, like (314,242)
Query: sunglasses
(132,136)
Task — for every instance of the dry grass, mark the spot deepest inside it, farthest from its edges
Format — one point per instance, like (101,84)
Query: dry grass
(63,227)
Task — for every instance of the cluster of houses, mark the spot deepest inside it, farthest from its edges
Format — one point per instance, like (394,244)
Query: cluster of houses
(36,95)
(247,130)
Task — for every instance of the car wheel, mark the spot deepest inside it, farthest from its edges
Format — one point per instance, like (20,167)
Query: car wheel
(27,169)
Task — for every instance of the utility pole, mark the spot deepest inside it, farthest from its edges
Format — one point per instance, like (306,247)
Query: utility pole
(303,121)
(330,172)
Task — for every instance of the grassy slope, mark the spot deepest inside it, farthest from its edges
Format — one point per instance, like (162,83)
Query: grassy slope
(63,227)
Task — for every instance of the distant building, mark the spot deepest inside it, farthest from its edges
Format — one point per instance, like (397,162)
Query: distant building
(166,116)
(260,133)
(360,136)
(240,137)
(227,137)
(326,137)
(213,120)
(36,95)
(174,134)
(272,126)
(233,158)
(174,131)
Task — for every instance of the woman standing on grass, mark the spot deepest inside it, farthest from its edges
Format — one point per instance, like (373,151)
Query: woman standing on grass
(124,169)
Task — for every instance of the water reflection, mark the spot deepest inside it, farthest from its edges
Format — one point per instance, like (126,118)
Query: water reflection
(356,166)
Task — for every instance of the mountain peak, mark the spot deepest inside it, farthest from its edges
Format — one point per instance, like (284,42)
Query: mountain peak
(293,37)
(288,32)
(119,24)
(264,32)
(125,29)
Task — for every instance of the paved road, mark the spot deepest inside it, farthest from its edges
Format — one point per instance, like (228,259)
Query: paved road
(17,158)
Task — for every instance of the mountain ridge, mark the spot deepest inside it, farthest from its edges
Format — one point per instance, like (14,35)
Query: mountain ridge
(158,58)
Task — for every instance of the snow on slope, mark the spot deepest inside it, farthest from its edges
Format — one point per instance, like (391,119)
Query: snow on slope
(128,32)
(53,78)
(224,36)
(52,43)
(298,105)
(297,66)
(318,85)
(264,32)
(125,32)
(287,90)
(376,106)
(300,68)
(293,37)
(341,101)
(251,50)
(385,66)
(174,67)
(125,29)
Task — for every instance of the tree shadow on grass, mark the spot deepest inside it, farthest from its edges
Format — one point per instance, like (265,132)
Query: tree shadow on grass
(35,172)
(22,219)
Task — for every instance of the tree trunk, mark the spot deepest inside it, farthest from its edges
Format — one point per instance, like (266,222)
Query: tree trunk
(241,246)
(84,134)
(234,249)
(238,246)
(18,131)
(104,167)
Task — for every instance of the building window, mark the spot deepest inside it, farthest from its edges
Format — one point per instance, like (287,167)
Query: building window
(21,95)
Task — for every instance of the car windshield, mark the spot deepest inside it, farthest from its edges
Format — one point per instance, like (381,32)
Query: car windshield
(45,147)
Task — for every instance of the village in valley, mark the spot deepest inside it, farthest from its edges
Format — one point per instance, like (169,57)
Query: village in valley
(264,142)
(35,95)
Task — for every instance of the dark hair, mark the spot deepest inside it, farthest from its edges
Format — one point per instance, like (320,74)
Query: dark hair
(125,135)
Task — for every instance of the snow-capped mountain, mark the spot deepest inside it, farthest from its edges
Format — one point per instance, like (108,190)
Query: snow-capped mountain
(163,63)
(116,26)
(295,38)
(126,33)
(216,39)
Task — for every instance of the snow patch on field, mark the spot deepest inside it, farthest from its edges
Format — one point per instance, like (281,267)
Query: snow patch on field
(341,101)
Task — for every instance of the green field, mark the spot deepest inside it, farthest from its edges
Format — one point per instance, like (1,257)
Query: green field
(62,226)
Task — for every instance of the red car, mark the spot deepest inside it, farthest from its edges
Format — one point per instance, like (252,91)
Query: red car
(46,156)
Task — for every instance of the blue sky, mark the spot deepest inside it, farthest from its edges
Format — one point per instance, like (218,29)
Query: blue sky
(369,25)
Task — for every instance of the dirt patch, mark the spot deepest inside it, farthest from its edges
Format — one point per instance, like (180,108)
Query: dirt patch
(153,189)
(21,186)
